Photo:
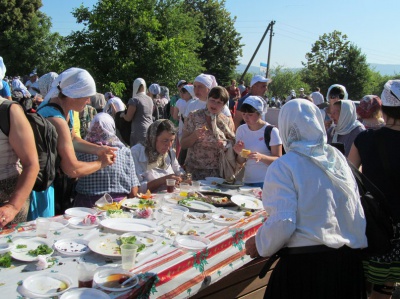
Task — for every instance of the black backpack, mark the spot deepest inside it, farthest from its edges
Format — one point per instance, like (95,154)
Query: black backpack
(46,143)
(123,126)
(379,230)
(267,137)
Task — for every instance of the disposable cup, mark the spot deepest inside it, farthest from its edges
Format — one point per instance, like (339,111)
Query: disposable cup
(85,275)
(176,219)
(170,185)
(42,227)
(104,200)
(195,185)
(128,254)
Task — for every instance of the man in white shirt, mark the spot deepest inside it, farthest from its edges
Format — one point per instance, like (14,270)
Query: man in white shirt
(32,84)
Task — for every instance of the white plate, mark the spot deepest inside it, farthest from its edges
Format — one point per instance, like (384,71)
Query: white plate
(133,203)
(57,224)
(107,246)
(247,202)
(79,212)
(199,206)
(214,180)
(205,183)
(45,285)
(84,293)
(77,222)
(221,219)
(146,239)
(101,278)
(72,247)
(246,188)
(210,188)
(128,225)
(5,247)
(192,242)
(197,218)
(31,244)
(169,207)
(231,186)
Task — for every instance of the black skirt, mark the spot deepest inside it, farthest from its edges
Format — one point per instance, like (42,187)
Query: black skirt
(322,275)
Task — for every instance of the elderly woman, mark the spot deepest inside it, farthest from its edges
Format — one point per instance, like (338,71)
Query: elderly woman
(347,127)
(250,136)
(118,180)
(316,224)
(70,91)
(377,152)
(140,112)
(16,182)
(205,133)
(336,92)
(370,113)
(155,161)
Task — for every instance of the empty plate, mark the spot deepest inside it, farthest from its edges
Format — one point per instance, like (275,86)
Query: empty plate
(192,242)
(247,202)
(46,285)
(79,212)
(128,224)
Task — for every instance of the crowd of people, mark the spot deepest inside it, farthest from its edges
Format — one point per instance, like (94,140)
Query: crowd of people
(316,221)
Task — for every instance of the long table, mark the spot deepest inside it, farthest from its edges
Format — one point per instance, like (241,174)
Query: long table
(164,269)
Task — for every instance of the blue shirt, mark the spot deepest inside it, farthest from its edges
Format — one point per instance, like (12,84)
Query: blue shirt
(6,91)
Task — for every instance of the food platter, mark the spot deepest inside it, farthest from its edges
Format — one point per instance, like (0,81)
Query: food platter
(197,218)
(137,203)
(235,185)
(45,285)
(128,224)
(22,254)
(247,202)
(72,247)
(198,206)
(213,196)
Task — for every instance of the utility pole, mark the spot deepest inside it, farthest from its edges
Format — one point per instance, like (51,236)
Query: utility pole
(270,25)
(271,34)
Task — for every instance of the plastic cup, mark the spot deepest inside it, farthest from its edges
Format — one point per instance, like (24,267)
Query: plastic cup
(104,200)
(196,185)
(85,275)
(176,219)
(128,254)
(170,185)
(42,227)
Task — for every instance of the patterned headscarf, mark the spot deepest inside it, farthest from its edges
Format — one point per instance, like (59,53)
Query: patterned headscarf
(2,71)
(102,131)
(155,158)
(17,85)
(347,120)
(369,104)
(208,80)
(302,130)
(391,94)
(45,82)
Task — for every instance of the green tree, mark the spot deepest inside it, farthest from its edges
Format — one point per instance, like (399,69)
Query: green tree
(126,39)
(283,81)
(221,42)
(26,42)
(333,59)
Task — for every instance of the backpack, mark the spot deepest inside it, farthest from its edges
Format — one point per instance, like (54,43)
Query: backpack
(379,230)
(267,137)
(25,102)
(46,143)
(123,126)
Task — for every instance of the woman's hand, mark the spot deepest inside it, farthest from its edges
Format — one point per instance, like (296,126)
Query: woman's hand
(200,133)
(255,156)
(106,155)
(251,248)
(7,214)
(175,177)
(238,147)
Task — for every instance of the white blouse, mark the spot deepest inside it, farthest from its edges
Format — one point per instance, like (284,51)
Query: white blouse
(306,209)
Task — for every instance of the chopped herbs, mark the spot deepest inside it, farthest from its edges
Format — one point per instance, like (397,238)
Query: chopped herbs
(41,250)
(20,246)
(5,260)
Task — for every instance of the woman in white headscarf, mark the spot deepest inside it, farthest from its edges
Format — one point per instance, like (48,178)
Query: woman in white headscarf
(315,216)
(139,113)
(206,132)
(377,151)
(70,91)
(347,127)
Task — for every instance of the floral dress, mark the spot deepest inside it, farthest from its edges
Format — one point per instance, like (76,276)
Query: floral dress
(203,157)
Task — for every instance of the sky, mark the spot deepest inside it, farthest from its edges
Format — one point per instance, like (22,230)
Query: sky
(369,24)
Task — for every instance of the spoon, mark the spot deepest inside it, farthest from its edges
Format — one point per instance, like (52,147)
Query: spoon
(128,280)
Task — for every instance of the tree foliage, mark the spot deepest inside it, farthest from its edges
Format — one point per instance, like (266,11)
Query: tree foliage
(333,59)
(125,39)
(283,81)
(221,42)
(26,42)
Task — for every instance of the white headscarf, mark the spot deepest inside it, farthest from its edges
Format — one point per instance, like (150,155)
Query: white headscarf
(136,85)
(17,85)
(190,89)
(2,71)
(74,83)
(347,120)
(346,95)
(302,130)
(45,82)
(391,94)
(208,80)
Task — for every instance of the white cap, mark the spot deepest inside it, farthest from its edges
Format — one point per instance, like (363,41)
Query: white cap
(155,88)
(301,89)
(259,78)
(255,102)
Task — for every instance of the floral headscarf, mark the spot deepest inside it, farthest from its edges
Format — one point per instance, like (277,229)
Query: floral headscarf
(45,82)
(155,159)
(102,131)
